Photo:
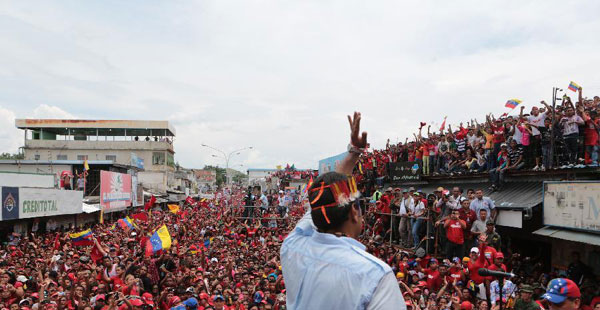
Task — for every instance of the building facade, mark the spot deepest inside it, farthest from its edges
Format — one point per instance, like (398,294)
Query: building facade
(146,145)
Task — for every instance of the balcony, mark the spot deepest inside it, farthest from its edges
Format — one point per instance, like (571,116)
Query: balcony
(99,145)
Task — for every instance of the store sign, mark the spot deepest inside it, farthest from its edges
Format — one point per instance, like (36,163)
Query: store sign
(404,172)
(29,202)
(572,205)
(115,189)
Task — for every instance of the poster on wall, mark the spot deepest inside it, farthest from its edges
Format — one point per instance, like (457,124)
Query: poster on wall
(115,190)
(404,172)
(330,163)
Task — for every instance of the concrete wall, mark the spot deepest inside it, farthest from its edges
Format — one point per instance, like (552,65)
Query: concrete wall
(52,169)
(21,179)
(155,180)
(257,174)
(50,149)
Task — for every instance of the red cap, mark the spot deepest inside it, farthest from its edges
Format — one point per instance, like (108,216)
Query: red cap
(204,296)
(18,284)
(136,302)
(101,296)
(499,255)
(147,298)
(466,305)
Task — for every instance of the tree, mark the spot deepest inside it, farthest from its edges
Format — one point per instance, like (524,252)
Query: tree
(11,156)
(220,179)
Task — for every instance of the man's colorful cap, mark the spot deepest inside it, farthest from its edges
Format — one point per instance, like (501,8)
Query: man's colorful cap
(559,289)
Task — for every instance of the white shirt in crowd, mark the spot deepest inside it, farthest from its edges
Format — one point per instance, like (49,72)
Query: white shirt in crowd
(537,121)
(406,205)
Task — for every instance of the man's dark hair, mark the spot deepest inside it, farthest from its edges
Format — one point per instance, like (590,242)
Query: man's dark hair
(337,215)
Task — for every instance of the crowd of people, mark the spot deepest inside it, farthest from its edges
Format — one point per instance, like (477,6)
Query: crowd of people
(220,259)
(538,138)
(463,232)
(291,173)
(215,261)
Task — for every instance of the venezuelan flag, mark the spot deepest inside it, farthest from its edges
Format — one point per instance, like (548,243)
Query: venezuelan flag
(173,208)
(573,86)
(86,167)
(161,239)
(82,238)
(126,223)
(512,103)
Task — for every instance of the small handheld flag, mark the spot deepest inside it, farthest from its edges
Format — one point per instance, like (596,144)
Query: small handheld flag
(161,239)
(573,86)
(512,103)
(443,124)
(82,238)
(173,208)
(86,167)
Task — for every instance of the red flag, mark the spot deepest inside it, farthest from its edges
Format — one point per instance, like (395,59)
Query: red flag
(57,242)
(189,200)
(443,124)
(142,216)
(148,246)
(95,254)
(150,203)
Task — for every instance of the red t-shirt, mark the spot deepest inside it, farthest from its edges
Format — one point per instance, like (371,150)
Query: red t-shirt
(591,135)
(489,254)
(474,267)
(434,279)
(498,133)
(454,231)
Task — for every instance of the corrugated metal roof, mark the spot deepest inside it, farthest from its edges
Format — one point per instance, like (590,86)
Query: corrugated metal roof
(565,234)
(514,195)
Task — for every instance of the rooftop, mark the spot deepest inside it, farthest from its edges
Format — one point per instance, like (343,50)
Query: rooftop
(106,127)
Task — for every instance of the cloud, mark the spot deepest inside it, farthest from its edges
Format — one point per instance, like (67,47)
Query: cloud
(10,137)
(46,111)
(282,75)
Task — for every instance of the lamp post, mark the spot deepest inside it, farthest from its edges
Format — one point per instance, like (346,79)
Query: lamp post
(226,157)
(555,90)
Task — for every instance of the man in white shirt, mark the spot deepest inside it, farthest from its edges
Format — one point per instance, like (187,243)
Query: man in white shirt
(406,205)
(536,120)
(324,265)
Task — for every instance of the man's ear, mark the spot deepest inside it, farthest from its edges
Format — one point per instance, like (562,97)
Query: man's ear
(354,215)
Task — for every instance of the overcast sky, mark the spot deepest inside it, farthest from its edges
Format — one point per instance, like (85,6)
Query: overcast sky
(281,76)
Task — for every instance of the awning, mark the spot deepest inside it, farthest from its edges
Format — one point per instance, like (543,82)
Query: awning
(90,208)
(569,235)
(514,195)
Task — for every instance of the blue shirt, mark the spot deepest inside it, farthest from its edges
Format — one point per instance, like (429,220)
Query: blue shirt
(323,271)
(485,203)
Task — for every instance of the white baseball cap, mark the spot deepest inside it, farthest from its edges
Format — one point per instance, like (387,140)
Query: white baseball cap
(475,249)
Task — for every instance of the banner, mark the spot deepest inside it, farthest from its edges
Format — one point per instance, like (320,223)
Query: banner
(404,172)
(10,203)
(330,163)
(115,190)
(572,205)
(208,176)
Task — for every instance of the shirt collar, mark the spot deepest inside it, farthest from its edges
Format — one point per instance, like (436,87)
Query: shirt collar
(333,239)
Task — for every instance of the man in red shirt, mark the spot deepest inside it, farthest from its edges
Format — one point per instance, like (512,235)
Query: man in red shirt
(434,278)
(469,216)
(455,233)
(476,262)
(498,263)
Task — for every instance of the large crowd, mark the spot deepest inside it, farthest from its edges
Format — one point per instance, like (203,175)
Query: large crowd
(223,257)
(501,144)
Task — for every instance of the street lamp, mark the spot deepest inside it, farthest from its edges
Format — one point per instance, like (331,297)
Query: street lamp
(226,157)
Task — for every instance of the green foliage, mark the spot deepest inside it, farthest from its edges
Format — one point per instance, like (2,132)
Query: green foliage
(11,156)
(220,173)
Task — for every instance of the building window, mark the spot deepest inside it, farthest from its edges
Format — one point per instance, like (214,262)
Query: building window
(158,158)
(170,160)
(61,157)
(82,157)
(111,157)
(36,156)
